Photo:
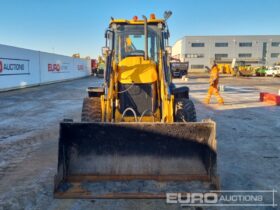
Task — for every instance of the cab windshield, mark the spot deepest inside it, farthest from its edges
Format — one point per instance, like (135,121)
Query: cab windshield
(130,41)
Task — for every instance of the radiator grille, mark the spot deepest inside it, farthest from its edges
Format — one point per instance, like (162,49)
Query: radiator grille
(139,97)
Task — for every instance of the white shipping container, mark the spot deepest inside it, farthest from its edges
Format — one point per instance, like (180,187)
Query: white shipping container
(21,67)
(18,67)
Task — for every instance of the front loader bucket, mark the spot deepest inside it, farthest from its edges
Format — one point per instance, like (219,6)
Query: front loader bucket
(135,160)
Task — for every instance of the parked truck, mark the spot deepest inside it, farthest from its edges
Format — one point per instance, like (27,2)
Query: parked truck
(93,66)
(179,69)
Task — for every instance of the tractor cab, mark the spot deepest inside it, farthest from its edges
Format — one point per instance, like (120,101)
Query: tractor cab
(137,49)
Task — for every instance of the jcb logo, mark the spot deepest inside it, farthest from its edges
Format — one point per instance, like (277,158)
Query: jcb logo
(1,67)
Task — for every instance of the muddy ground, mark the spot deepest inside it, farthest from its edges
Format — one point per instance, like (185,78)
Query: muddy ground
(247,132)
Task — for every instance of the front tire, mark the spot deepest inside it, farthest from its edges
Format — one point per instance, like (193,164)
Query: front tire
(185,110)
(91,111)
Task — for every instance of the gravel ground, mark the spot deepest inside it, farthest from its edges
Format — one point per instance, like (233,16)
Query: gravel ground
(247,132)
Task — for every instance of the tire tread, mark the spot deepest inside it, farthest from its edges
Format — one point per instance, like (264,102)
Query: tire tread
(91,111)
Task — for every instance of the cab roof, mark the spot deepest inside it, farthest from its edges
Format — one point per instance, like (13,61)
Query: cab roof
(135,21)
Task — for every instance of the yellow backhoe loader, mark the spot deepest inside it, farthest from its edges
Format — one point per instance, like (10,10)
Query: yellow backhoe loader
(138,137)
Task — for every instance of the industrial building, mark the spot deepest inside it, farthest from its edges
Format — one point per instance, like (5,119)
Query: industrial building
(200,51)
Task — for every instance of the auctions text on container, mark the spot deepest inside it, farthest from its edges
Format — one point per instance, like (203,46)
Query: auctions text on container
(11,66)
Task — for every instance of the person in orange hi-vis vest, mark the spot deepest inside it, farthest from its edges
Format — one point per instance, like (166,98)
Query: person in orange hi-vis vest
(213,88)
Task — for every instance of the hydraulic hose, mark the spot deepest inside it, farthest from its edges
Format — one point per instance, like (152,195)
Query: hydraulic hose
(129,109)
(145,112)
(127,89)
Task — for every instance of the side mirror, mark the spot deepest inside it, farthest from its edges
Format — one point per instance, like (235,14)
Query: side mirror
(105,51)
(168,50)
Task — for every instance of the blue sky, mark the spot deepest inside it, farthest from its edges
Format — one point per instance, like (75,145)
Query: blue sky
(72,26)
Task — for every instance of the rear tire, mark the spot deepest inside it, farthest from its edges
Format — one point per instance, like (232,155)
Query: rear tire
(91,111)
(185,110)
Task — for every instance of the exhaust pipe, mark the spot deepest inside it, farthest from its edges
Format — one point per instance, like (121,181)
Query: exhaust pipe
(146,37)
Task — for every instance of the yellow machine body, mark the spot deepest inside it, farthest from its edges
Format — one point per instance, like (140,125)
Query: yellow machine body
(130,140)
(137,70)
